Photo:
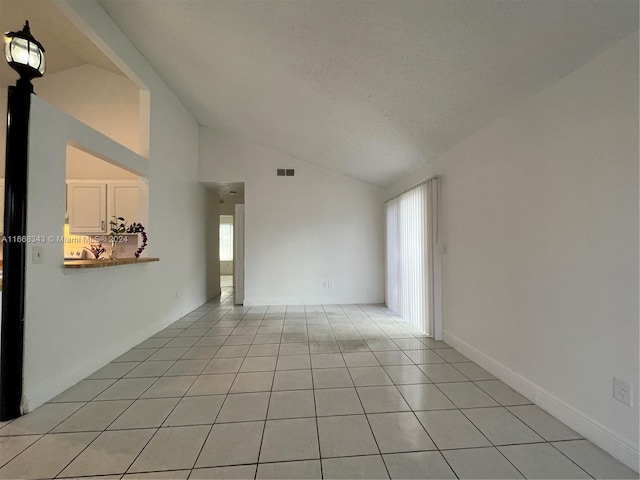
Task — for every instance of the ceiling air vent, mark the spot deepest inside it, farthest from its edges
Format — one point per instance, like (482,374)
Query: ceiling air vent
(281,172)
(285,172)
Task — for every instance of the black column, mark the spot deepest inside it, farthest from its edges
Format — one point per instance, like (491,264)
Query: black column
(14,249)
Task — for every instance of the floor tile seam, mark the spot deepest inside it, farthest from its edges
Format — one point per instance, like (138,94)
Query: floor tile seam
(2,465)
(208,433)
(565,440)
(462,410)
(206,438)
(106,430)
(492,444)
(468,419)
(475,382)
(436,448)
(266,413)
(570,459)
(141,397)
(92,398)
(315,408)
(370,428)
(56,475)
(510,462)
(157,429)
(50,431)
(114,378)
(437,384)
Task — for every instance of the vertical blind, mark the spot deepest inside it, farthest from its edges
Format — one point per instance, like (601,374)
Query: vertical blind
(413,262)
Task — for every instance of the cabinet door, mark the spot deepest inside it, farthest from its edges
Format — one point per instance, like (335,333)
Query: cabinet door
(87,208)
(123,201)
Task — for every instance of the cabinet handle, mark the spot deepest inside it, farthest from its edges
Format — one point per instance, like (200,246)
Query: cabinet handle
(102,223)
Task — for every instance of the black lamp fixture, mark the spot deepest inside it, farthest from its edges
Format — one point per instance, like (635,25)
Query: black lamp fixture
(24,53)
(26,56)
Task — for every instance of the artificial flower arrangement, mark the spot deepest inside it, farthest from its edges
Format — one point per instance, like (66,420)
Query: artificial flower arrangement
(96,249)
(119,226)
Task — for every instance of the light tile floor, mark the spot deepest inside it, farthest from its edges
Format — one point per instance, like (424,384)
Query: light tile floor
(334,391)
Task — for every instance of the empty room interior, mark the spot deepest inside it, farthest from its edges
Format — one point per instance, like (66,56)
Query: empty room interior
(320,239)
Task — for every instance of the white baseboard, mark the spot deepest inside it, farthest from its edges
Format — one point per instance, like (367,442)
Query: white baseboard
(586,426)
(214,294)
(266,302)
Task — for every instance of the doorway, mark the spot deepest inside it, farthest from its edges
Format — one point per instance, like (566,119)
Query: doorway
(226,251)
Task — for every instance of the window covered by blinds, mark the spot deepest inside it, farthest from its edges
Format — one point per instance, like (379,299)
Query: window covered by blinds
(412,260)
(406,283)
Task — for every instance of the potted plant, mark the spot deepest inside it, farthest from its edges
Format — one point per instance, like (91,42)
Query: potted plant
(119,232)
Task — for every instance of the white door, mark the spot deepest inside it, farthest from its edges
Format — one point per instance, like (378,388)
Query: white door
(87,207)
(238,254)
(123,202)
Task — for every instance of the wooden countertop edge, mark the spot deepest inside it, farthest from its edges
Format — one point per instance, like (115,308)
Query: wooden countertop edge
(107,263)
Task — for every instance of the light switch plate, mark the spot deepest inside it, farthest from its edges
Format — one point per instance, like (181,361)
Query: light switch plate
(37,254)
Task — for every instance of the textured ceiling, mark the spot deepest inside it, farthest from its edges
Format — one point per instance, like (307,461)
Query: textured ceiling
(372,89)
(227,190)
(65,46)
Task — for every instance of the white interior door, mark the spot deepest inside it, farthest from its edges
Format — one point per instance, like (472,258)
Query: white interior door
(238,254)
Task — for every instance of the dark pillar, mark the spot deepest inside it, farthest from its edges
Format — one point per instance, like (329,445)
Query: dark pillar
(14,249)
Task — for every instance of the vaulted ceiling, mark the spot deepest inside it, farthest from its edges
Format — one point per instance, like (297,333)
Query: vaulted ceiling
(369,88)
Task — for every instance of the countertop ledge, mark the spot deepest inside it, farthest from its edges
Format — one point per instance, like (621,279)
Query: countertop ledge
(107,263)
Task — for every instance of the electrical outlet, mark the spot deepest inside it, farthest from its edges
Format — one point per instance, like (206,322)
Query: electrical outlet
(622,392)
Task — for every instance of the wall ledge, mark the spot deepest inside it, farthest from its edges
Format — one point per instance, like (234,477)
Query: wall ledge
(107,263)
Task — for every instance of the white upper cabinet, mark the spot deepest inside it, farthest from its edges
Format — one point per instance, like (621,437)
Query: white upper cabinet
(123,201)
(91,205)
(87,207)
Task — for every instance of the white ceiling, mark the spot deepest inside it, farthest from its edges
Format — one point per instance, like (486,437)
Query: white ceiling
(228,190)
(370,88)
(65,46)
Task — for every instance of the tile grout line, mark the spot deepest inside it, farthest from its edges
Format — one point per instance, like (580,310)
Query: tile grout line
(364,412)
(158,428)
(165,419)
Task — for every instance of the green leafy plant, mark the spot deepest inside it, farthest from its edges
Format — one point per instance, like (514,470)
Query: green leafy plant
(119,226)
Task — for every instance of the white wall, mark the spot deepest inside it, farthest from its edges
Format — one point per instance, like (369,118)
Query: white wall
(300,231)
(76,321)
(83,166)
(226,268)
(540,219)
(213,244)
(105,101)
(228,205)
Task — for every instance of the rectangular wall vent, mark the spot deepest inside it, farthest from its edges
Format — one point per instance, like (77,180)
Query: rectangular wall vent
(285,172)
(290,172)
(281,172)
